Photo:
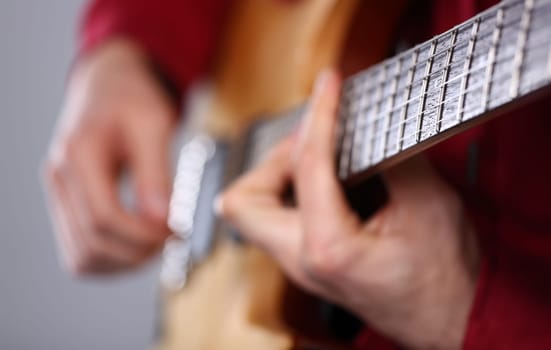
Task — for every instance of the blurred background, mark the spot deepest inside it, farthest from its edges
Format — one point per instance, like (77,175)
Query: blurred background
(41,306)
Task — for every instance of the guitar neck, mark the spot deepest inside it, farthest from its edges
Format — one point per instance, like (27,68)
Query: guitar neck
(436,89)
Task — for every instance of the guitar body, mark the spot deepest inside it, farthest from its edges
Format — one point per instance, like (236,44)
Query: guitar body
(238,298)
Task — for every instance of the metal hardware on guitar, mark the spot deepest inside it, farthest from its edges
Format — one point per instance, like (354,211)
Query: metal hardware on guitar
(177,254)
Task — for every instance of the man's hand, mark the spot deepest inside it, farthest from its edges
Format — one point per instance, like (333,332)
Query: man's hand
(115,118)
(409,271)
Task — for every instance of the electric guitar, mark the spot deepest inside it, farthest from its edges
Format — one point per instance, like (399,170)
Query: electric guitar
(480,69)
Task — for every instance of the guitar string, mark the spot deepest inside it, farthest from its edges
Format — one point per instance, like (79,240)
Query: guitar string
(414,134)
(465,26)
(382,116)
(364,124)
(367,124)
(508,59)
(378,135)
(481,46)
(418,131)
(481,34)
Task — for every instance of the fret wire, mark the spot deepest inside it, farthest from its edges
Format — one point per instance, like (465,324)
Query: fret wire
(416,132)
(402,123)
(445,77)
(358,132)
(473,70)
(528,47)
(405,106)
(390,105)
(492,59)
(405,137)
(521,45)
(503,26)
(373,88)
(466,68)
(424,89)
(457,44)
(377,102)
(347,144)
(492,62)
(482,66)
(346,114)
(343,120)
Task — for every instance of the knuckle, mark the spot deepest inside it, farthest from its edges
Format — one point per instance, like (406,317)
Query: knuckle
(90,255)
(101,221)
(82,265)
(75,268)
(58,162)
(321,261)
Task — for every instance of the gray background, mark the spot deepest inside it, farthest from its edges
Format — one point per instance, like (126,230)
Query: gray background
(41,307)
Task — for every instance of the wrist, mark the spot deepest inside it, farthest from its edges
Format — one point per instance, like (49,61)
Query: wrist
(119,58)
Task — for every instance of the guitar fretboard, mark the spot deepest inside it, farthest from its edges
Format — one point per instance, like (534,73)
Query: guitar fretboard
(496,57)
(429,91)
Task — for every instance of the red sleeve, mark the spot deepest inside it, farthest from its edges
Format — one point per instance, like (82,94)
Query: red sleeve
(179,35)
(512,308)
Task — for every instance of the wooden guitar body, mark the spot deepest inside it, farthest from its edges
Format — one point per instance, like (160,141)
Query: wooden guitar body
(231,302)
(269,60)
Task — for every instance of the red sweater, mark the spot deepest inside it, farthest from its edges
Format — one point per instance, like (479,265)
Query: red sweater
(509,199)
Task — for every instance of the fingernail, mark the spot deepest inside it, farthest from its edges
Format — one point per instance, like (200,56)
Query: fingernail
(217,205)
(157,206)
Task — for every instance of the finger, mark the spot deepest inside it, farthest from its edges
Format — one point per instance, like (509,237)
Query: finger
(275,230)
(105,249)
(326,217)
(272,176)
(100,251)
(66,231)
(77,254)
(148,156)
(95,179)
(253,203)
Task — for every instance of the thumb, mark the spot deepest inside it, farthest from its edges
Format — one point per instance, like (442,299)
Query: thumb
(149,162)
(315,173)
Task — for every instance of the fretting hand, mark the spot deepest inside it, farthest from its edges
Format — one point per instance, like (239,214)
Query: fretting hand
(409,271)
